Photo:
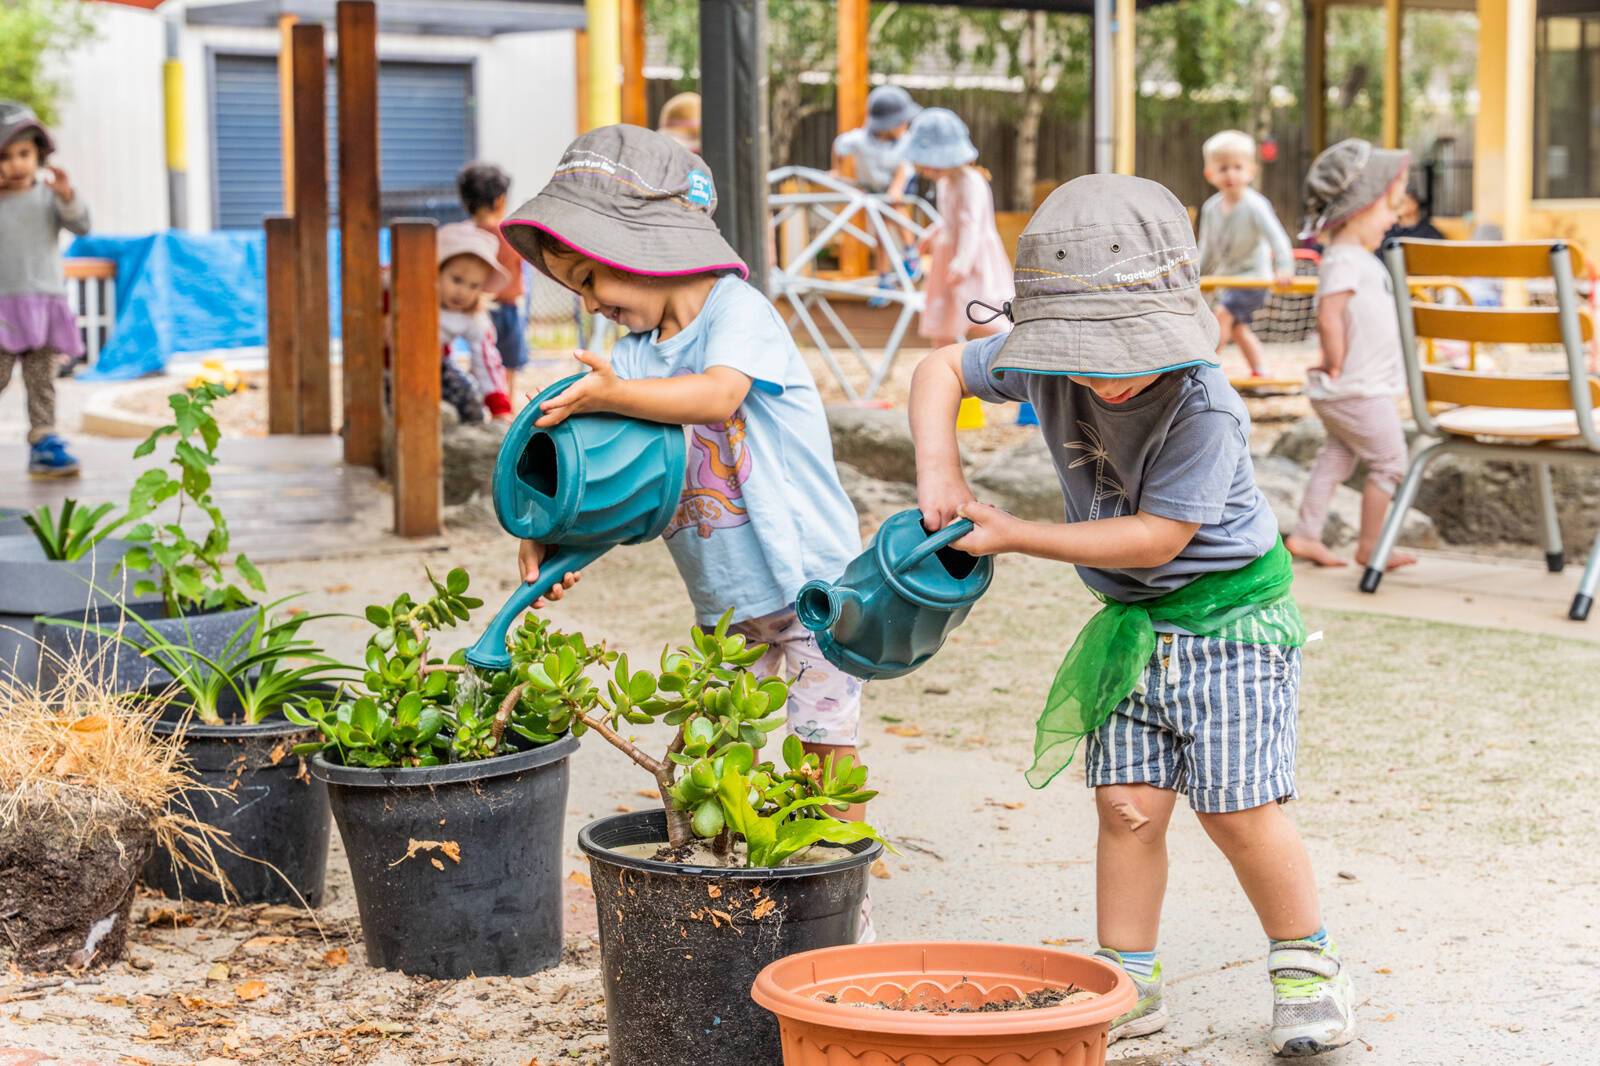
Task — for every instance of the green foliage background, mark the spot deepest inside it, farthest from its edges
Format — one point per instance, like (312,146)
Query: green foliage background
(34,36)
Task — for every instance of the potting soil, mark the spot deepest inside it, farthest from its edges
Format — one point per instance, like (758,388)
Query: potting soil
(699,853)
(1035,1000)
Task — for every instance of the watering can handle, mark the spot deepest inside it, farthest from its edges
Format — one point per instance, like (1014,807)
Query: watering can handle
(935,542)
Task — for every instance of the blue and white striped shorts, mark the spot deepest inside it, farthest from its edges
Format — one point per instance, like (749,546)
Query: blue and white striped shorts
(1213,719)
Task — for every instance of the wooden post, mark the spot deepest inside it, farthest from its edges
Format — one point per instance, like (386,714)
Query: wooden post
(311,228)
(580,44)
(605,62)
(283,378)
(417,452)
(361,298)
(851,102)
(286,107)
(635,97)
(1392,89)
(1314,106)
(1126,92)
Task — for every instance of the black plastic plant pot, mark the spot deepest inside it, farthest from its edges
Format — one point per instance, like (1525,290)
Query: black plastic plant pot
(274,812)
(681,945)
(457,868)
(119,662)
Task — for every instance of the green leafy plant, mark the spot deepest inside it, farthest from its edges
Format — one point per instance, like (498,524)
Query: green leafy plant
(191,574)
(414,708)
(265,665)
(709,778)
(76,531)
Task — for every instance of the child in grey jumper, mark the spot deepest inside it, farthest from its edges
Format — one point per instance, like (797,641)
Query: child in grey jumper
(1240,236)
(1187,681)
(37,325)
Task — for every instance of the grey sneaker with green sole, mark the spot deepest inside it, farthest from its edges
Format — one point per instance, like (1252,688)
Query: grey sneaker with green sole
(1149,1014)
(1312,999)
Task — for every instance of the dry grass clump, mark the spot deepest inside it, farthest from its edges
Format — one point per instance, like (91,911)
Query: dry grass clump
(87,758)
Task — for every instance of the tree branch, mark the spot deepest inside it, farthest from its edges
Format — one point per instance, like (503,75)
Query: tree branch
(503,715)
(626,747)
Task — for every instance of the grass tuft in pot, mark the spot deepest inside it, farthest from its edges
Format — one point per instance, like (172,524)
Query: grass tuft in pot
(76,532)
(87,790)
(711,784)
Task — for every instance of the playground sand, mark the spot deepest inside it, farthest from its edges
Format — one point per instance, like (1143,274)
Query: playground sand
(1448,796)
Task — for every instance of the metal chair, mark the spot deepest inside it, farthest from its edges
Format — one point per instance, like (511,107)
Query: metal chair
(1533,418)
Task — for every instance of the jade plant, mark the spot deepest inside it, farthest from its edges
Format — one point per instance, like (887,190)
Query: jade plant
(711,779)
(415,708)
(191,575)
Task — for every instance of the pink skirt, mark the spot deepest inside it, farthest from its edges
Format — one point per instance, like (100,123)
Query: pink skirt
(38,320)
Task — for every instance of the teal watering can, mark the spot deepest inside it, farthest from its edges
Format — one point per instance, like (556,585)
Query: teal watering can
(580,488)
(897,601)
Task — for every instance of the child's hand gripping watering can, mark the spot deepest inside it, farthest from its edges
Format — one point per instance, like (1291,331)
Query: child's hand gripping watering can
(897,601)
(579,488)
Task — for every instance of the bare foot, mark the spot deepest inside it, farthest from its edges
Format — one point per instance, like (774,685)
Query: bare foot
(1397,559)
(1313,551)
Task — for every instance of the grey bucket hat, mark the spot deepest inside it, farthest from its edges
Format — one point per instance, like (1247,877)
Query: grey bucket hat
(17,119)
(1108,284)
(1346,180)
(939,139)
(633,199)
(889,106)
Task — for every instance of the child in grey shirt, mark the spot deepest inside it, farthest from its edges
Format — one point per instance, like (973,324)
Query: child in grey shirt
(37,325)
(1188,679)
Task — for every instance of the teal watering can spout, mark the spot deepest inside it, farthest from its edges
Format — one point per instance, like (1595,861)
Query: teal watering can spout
(579,488)
(897,601)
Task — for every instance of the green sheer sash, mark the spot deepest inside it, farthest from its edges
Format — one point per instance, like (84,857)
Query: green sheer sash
(1105,662)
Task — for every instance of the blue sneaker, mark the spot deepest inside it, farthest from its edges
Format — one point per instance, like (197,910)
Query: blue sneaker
(50,458)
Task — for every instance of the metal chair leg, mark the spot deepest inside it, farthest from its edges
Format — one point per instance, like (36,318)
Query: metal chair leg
(1555,556)
(1586,588)
(1397,515)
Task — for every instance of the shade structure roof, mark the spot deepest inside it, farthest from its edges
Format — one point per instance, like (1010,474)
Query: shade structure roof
(1069,7)
(458,18)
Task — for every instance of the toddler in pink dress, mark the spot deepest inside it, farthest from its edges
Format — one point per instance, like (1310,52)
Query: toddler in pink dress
(966,259)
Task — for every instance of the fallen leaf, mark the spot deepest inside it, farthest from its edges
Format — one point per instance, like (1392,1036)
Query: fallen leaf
(1013,805)
(1424,806)
(334,590)
(336,957)
(936,690)
(158,1031)
(623,808)
(1059,941)
(437,865)
(650,793)
(1387,1017)
(1383,969)
(279,752)
(450,848)
(168,916)
(258,945)
(1346,875)
(295,612)
(904,730)
(713,891)
(218,972)
(761,910)
(880,870)
(248,990)
(578,877)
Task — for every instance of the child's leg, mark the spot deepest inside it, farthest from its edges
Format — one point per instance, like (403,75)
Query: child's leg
(1269,859)
(1250,348)
(1131,864)
(1336,461)
(39,378)
(458,390)
(1380,441)
(1224,325)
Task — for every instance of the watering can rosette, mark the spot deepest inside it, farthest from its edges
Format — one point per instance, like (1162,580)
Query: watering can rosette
(897,601)
(579,488)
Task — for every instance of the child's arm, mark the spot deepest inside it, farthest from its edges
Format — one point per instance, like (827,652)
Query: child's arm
(937,389)
(1131,542)
(71,212)
(1331,329)
(686,400)
(900,182)
(1278,240)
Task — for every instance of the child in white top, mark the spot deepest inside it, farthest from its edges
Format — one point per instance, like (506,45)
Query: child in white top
(1352,193)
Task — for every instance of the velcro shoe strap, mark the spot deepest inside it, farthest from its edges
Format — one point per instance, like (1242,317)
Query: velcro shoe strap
(1307,959)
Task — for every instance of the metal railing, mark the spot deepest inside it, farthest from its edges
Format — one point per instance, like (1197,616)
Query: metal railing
(92,292)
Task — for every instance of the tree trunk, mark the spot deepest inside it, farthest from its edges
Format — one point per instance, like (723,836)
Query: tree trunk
(783,120)
(1034,63)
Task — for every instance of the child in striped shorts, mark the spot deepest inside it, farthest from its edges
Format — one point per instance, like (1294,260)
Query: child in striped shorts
(1187,681)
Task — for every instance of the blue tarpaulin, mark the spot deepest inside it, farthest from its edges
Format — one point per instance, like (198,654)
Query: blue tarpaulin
(189,292)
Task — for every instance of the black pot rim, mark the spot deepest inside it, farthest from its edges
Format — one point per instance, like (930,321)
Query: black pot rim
(590,847)
(449,774)
(274,725)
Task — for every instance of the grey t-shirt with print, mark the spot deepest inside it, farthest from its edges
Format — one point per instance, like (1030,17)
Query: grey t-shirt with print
(1179,450)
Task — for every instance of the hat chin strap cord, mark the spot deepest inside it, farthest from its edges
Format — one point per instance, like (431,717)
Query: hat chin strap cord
(1004,310)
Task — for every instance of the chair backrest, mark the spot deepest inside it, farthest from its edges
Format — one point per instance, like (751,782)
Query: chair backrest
(1566,325)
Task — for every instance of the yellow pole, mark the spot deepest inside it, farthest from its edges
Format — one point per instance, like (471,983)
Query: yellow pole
(605,62)
(1502,173)
(1125,92)
(286,109)
(172,96)
(1393,31)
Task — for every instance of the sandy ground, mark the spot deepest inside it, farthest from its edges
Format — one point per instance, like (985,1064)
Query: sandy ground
(1448,796)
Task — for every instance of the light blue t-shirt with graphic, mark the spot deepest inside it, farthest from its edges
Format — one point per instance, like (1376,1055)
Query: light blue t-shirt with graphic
(762,510)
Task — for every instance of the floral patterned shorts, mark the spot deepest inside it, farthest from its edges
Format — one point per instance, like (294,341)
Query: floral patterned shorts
(824,702)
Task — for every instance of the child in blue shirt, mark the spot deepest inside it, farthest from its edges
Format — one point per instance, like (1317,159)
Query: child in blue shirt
(625,223)
(1187,681)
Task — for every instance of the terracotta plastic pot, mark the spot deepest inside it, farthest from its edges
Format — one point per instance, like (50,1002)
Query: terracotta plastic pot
(819,1033)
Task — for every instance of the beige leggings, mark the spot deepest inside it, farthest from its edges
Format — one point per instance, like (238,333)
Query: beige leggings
(39,380)
(1360,429)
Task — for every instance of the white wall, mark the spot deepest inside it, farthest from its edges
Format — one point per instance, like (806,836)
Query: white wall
(111,138)
(112,135)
